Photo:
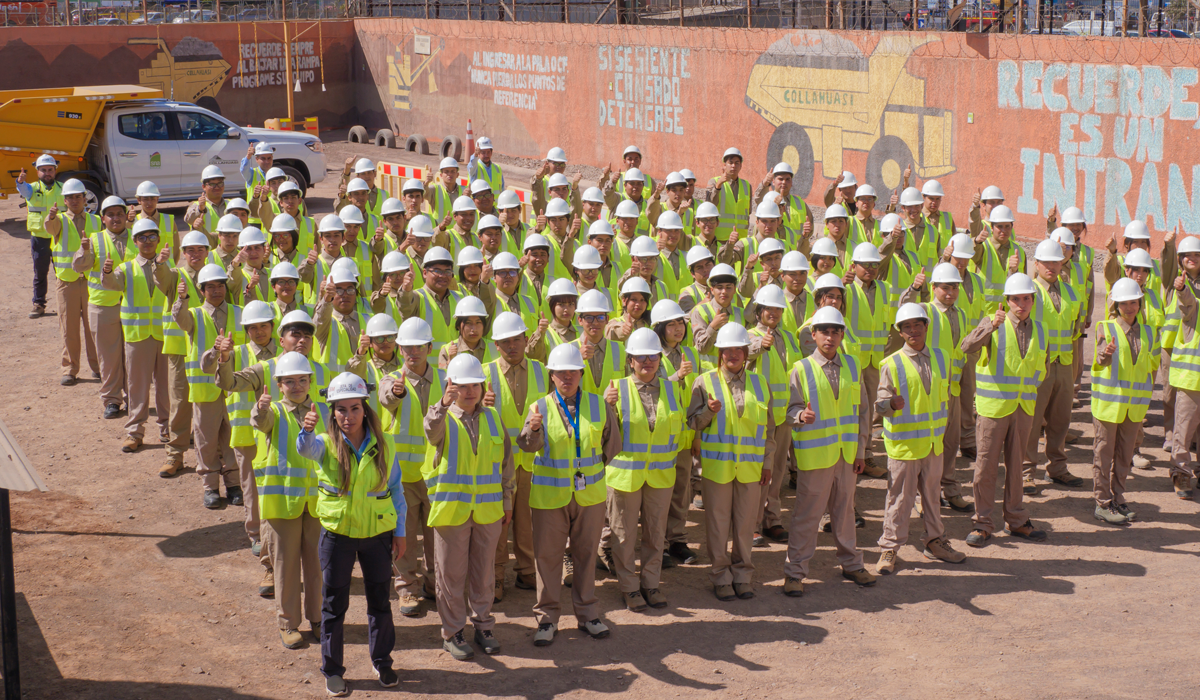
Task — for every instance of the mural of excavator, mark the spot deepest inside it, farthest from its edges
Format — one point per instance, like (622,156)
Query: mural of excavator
(823,95)
(193,71)
(402,76)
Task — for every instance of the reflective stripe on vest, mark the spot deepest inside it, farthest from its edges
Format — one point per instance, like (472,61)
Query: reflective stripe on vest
(140,305)
(1122,390)
(202,387)
(917,429)
(734,214)
(647,455)
(555,465)
(834,433)
(286,481)
(998,386)
(733,446)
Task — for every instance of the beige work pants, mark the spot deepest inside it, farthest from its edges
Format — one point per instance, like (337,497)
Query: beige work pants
(214,457)
(950,443)
(415,570)
(816,491)
(72,300)
(625,508)
(1112,459)
(681,498)
(1187,421)
(145,365)
(244,456)
(776,460)
(729,511)
(1053,410)
(110,350)
(466,574)
(522,531)
(966,404)
(870,387)
(180,425)
(995,438)
(295,563)
(552,529)
(906,479)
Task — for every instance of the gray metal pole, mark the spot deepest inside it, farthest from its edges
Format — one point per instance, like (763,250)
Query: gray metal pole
(8,604)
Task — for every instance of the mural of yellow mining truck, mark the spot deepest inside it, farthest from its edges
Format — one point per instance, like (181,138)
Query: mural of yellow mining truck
(823,95)
(192,72)
(402,76)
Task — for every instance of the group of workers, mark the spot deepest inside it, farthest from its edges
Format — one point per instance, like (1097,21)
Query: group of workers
(416,381)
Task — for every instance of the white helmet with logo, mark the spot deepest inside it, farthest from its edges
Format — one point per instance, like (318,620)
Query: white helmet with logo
(348,385)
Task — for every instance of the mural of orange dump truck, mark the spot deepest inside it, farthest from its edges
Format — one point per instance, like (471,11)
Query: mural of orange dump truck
(193,72)
(823,95)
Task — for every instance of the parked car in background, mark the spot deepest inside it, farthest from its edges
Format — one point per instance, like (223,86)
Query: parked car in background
(110,22)
(196,16)
(150,18)
(1168,33)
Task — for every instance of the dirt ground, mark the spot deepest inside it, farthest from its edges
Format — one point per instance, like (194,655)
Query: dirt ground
(129,588)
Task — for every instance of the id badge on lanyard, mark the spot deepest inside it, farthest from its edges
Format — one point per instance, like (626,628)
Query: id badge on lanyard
(578,481)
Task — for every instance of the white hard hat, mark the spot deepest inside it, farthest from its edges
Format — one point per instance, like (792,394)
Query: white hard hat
(465,368)
(562,287)
(634,285)
(1189,244)
(933,188)
(535,240)
(557,180)
(593,194)
(595,301)
(489,221)
(771,196)
(666,310)
(289,186)
(687,174)
(770,295)
(331,222)
(770,245)
(783,167)
(731,152)
(836,211)
(643,247)
(284,270)
(251,235)
(558,207)
(631,149)
(732,335)
(1018,283)
(1134,230)
(564,357)
(825,247)
(909,312)
(257,312)
(642,342)
(438,254)
(794,261)
(421,226)
(767,209)
(707,210)
(828,281)
(828,316)
(1072,215)
(395,261)
(505,261)
(114,201)
(586,258)
(381,325)
(299,317)
(348,385)
(698,253)
(447,162)
(195,238)
(669,220)
(147,189)
(628,210)
(470,255)
(721,270)
(351,214)
(1063,235)
(144,225)
(483,142)
(230,223)
(946,273)
(412,185)
(848,179)
(292,364)
(508,325)
(888,223)
(343,271)
(283,223)
(479,187)
(990,193)
(464,203)
(364,165)
(44,160)
(1138,258)
(911,197)
(963,246)
(275,173)
(508,200)
(674,178)
(71,186)
(866,252)
(262,148)
(600,227)
(358,185)
(1000,215)
(212,172)
(470,306)
(1048,251)
(414,331)
(211,272)
(237,203)
(1126,289)
(634,175)
(557,155)
(864,191)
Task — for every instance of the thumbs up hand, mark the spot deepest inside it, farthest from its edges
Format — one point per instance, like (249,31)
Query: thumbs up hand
(983,234)
(108,265)
(611,395)
(364,344)
(685,368)
(1013,262)
(768,341)
(808,416)
(163,254)
(312,256)
(489,396)
(310,420)
(451,394)
(976,199)
(534,421)
(998,318)
(714,405)
(264,401)
(919,281)
(1108,351)
(848,278)
(85,243)
(1179,283)
(223,345)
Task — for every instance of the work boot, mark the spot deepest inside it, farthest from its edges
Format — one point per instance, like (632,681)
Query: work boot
(793,587)
(131,445)
(212,499)
(1029,487)
(978,538)
(67,380)
(487,641)
(777,534)
(758,540)
(544,635)
(1109,514)
(387,677)
(568,570)
(919,506)
(1141,462)
(266,587)
(335,686)
(1027,532)
(1123,509)
(668,561)
(886,564)
(859,521)
(1183,485)
(171,467)
(1073,436)
(410,605)
(112,410)
(526,582)
(634,601)
(429,588)
(1076,403)
(1067,479)
(792,482)
(958,503)
(827,523)
(164,435)
(595,628)
(292,639)
(458,647)
(256,548)
(724,593)
(860,576)
(497,592)
(39,310)
(873,470)
(605,562)
(745,591)
(941,549)
(654,598)
(968,453)
(234,494)
(682,552)
(698,502)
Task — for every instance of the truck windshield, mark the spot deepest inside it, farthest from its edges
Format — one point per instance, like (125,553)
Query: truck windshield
(194,126)
(146,126)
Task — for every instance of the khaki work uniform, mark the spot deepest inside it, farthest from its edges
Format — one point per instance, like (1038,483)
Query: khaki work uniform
(211,431)
(179,427)
(145,363)
(1187,403)
(1055,397)
(1112,457)
(105,322)
(72,300)
(687,472)
(775,461)
(517,377)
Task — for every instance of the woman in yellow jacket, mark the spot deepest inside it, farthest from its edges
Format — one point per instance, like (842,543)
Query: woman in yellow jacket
(360,503)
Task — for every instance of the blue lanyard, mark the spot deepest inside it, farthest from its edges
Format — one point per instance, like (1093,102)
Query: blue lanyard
(572,418)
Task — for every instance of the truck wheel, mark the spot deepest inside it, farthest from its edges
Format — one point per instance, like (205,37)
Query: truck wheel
(295,175)
(357,134)
(385,138)
(790,144)
(452,147)
(210,103)
(417,144)
(886,162)
(94,196)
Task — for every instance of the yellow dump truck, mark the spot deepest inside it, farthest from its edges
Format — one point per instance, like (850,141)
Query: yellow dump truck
(824,95)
